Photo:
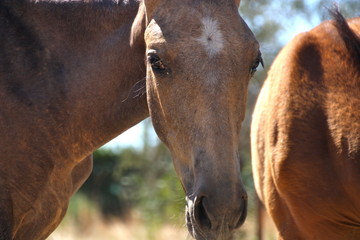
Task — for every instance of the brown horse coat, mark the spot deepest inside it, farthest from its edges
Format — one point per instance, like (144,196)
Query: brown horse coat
(75,74)
(306,135)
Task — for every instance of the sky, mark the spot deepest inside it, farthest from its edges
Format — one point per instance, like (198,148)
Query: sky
(133,137)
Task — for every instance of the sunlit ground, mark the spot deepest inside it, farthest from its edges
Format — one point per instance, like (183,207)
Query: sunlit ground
(131,230)
(97,229)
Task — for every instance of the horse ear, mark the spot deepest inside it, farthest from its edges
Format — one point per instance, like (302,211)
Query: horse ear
(139,25)
(237,3)
(150,6)
(144,15)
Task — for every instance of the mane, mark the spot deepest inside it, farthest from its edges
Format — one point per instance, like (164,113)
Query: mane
(350,38)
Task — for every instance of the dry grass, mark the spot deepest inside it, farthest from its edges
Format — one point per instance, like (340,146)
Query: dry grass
(94,228)
(116,231)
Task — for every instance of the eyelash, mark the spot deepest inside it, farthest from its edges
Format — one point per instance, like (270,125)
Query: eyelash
(156,63)
(258,61)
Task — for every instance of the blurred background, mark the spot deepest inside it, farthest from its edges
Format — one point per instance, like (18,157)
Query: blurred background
(133,192)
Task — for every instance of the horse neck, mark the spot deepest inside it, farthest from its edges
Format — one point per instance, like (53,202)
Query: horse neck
(97,69)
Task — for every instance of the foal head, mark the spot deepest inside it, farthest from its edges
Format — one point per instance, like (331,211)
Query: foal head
(200,57)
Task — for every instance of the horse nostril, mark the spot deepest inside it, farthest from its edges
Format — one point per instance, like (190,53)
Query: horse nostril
(243,211)
(201,216)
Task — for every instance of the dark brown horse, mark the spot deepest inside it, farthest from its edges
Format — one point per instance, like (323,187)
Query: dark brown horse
(306,135)
(71,79)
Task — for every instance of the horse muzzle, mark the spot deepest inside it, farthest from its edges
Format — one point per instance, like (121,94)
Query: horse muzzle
(215,218)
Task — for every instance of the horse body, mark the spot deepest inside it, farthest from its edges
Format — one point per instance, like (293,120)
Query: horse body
(306,135)
(61,66)
(73,77)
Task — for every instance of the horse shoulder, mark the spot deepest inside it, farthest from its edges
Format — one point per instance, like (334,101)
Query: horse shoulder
(277,114)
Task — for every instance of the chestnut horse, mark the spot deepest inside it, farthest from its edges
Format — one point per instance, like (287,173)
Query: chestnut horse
(73,76)
(306,135)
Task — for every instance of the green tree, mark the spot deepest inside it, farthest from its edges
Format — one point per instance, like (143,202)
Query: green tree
(144,179)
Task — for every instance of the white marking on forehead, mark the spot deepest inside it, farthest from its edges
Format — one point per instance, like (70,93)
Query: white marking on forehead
(211,38)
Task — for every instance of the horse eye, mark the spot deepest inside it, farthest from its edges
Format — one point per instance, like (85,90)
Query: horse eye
(156,63)
(256,64)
